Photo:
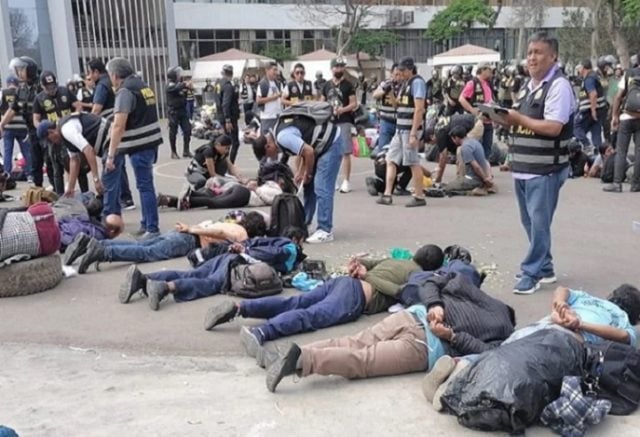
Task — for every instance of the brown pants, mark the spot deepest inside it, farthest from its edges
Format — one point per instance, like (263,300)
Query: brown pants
(394,346)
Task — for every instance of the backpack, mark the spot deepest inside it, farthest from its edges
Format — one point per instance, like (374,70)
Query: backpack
(632,94)
(286,211)
(274,171)
(254,280)
(612,372)
(319,112)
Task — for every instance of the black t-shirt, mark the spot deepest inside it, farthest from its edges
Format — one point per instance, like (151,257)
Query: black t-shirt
(443,140)
(338,96)
(208,151)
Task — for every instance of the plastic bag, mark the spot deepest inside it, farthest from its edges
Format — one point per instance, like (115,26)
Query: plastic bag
(507,388)
(400,253)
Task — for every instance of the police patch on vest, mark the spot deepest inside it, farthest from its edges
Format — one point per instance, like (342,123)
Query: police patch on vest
(538,95)
(48,105)
(149,96)
(294,89)
(64,99)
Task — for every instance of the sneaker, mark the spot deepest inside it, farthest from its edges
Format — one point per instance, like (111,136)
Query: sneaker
(547,278)
(415,202)
(76,249)
(285,366)
(183,197)
(613,188)
(156,292)
(384,200)
(139,233)
(401,192)
(345,187)
(526,285)
(250,340)
(134,282)
(437,397)
(223,313)
(434,379)
(174,155)
(270,353)
(94,254)
(187,154)
(320,236)
(128,205)
(479,192)
(370,182)
(148,236)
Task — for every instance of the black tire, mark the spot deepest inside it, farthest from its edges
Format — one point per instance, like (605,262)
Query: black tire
(30,277)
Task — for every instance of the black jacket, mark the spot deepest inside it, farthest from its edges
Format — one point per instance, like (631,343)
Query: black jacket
(479,321)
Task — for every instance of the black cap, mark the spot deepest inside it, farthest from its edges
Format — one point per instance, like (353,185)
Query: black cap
(406,63)
(338,62)
(227,69)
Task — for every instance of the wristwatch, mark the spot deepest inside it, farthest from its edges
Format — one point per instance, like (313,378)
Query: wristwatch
(96,179)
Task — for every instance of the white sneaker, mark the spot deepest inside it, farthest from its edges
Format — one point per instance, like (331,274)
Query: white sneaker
(320,236)
(345,187)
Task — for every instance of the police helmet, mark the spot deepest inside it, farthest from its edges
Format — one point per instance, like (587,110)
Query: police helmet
(174,73)
(574,145)
(27,63)
(48,78)
(468,68)
(457,69)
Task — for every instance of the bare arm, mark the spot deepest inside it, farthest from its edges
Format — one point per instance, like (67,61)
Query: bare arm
(593,98)
(90,154)
(605,331)
(615,111)
(8,116)
(117,130)
(353,104)
(467,106)
(211,167)
(234,170)
(418,115)
(36,120)
(443,158)
(96,108)
(477,168)
(308,162)
(74,170)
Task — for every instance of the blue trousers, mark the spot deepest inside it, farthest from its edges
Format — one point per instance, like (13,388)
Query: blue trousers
(386,132)
(487,140)
(9,137)
(335,302)
(142,163)
(538,199)
(166,246)
(584,124)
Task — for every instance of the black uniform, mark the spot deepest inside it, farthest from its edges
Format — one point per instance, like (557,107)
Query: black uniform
(453,88)
(53,108)
(198,172)
(229,112)
(23,108)
(178,116)
(248,97)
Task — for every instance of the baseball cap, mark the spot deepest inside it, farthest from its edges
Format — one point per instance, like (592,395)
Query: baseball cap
(406,63)
(12,80)
(338,62)
(227,69)
(483,65)
(43,129)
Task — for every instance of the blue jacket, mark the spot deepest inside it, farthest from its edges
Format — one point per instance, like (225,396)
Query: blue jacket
(280,253)
(409,293)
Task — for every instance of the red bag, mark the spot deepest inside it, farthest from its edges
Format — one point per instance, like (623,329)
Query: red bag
(47,227)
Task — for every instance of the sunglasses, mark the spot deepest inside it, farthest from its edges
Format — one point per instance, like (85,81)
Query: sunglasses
(299,72)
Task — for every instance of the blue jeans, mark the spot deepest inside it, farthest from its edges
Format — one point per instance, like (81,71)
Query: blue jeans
(125,190)
(321,190)
(142,163)
(9,137)
(112,182)
(584,124)
(538,199)
(337,301)
(487,140)
(386,132)
(166,246)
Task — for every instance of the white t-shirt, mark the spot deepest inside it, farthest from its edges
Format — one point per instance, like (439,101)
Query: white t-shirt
(72,132)
(273,108)
(623,86)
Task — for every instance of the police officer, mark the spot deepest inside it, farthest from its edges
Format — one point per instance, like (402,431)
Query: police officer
(386,95)
(248,97)
(177,103)
(452,91)
(135,132)
(103,101)
(318,84)
(191,101)
(592,108)
(434,87)
(229,111)
(53,103)
(84,95)
(542,126)
(298,89)
(26,70)
(15,130)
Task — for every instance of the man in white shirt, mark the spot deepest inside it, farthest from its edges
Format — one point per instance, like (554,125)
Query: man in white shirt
(268,98)
(80,133)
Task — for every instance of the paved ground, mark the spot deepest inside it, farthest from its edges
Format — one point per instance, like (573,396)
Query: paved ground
(76,362)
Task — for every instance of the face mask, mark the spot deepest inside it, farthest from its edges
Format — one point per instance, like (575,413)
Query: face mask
(338,74)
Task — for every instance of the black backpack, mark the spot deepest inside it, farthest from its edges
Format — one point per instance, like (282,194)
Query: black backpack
(632,91)
(286,211)
(612,372)
(275,171)
(254,280)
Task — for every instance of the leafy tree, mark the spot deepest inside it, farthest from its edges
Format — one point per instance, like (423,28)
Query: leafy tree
(278,52)
(371,42)
(459,16)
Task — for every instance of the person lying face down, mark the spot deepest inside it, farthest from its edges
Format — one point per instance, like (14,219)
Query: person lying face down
(173,244)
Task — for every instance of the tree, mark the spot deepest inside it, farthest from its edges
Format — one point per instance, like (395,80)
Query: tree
(352,16)
(278,52)
(526,14)
(459,16)
(371,42)
(21,30)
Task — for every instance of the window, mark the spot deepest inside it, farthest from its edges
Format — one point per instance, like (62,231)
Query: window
(205,34)
(261,34)
(206,48)
(224,34)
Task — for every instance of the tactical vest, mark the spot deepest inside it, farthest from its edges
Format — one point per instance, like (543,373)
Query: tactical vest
(55,107)
(406,106)
(177,100)
(631,102)
(454,88)
(478,92)
(25,96)
(535,153)
(95,129)
(191,97)
(142,130)
(107,107)
(17,123)
(386,110)
(296,94)
(195,166)
(585,105)
(318,136)
(87,97)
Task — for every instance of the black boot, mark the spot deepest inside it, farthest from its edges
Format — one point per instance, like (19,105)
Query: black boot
(76,249)
(134,281)
(156,291)
(94,254)
(223,313)
(285,366)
